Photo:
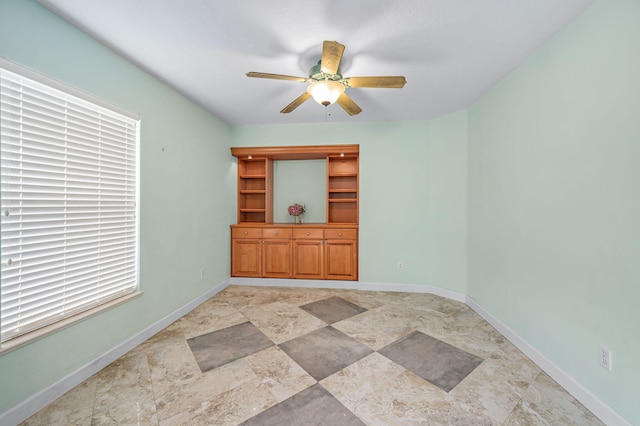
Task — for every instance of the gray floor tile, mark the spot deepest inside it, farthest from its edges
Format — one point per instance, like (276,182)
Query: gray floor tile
(313,406)
(220,347)
(434,360)
(333,309)
(325,351)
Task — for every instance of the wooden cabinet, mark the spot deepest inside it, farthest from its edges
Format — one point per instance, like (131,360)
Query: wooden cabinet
(246,253)
(341,254)
(308,253)
(276,253)
(313,252)
(261,253)
(260,248)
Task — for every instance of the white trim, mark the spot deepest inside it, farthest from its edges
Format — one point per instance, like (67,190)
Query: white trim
(284,282)
(579,392)
(39,333)
(414,288)
(46,396)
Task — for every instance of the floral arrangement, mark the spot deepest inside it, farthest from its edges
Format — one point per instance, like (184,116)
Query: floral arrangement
(296,209)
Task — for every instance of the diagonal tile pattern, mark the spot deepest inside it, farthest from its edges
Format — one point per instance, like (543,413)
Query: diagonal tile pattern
(312,407)
(438,362)
(324,352)
(263,355)
(217,348)
(333,309)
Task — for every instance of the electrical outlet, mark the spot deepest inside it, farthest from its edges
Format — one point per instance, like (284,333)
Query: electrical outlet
(400,265)
(604,357)
(202,274)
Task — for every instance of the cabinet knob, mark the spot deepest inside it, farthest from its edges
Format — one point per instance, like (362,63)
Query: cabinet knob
(246,232)
(277,233)
(308,233)
(339,234)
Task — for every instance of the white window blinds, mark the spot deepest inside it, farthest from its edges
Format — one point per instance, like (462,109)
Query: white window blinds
(69,204)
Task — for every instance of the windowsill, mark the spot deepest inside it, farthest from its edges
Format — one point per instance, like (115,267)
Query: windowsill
(25,339)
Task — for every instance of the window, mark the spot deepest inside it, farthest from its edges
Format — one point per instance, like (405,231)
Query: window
(69,188)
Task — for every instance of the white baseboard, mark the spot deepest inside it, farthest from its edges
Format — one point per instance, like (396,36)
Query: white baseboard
(284,282)
(38,401)
(595,405)
(414,288)
(349,285)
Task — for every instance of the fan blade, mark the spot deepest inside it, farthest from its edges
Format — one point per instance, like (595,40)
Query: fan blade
(348,105)
(275,76)
(395,82)
(331,56)
(296,103)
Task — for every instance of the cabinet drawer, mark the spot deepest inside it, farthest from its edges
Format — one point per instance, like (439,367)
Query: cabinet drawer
(337,234)
(276,233)
(308,233)
(246,232)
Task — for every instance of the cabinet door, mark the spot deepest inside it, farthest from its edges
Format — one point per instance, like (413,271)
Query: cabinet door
(341,260)
(276,256)
(246,255)
(308,259)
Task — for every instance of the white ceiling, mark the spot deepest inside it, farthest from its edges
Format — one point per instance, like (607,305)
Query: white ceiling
(450,51)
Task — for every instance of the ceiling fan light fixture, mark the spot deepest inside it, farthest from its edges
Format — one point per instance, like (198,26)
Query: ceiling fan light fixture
(325,92)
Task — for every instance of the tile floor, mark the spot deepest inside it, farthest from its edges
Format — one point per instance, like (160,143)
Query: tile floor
(289,356)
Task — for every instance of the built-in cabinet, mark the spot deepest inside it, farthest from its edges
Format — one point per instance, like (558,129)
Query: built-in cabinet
(263,249)
(314,251)
(341,254)
(308,253)
(261,252)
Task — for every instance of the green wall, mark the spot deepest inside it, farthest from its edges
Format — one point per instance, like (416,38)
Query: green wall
(554,206)
(187,183)
(302,182)
(543,170)
(412,193)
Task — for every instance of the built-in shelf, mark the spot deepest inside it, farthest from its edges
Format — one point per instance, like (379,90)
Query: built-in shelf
(255,183)
(255,180)
(342,189)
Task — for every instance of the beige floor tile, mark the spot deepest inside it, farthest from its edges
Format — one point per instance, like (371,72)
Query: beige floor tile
(190,396)
(229,408)
(124,394)
(171,334)
(211,316)
(279,373)
(281,321)
(74,407)
(546,403)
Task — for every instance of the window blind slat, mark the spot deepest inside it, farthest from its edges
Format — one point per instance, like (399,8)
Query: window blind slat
(69,231)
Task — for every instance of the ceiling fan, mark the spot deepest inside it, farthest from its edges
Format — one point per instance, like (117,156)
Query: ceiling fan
(327,85)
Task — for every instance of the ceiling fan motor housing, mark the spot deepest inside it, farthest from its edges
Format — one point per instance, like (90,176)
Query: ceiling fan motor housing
(316,73)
